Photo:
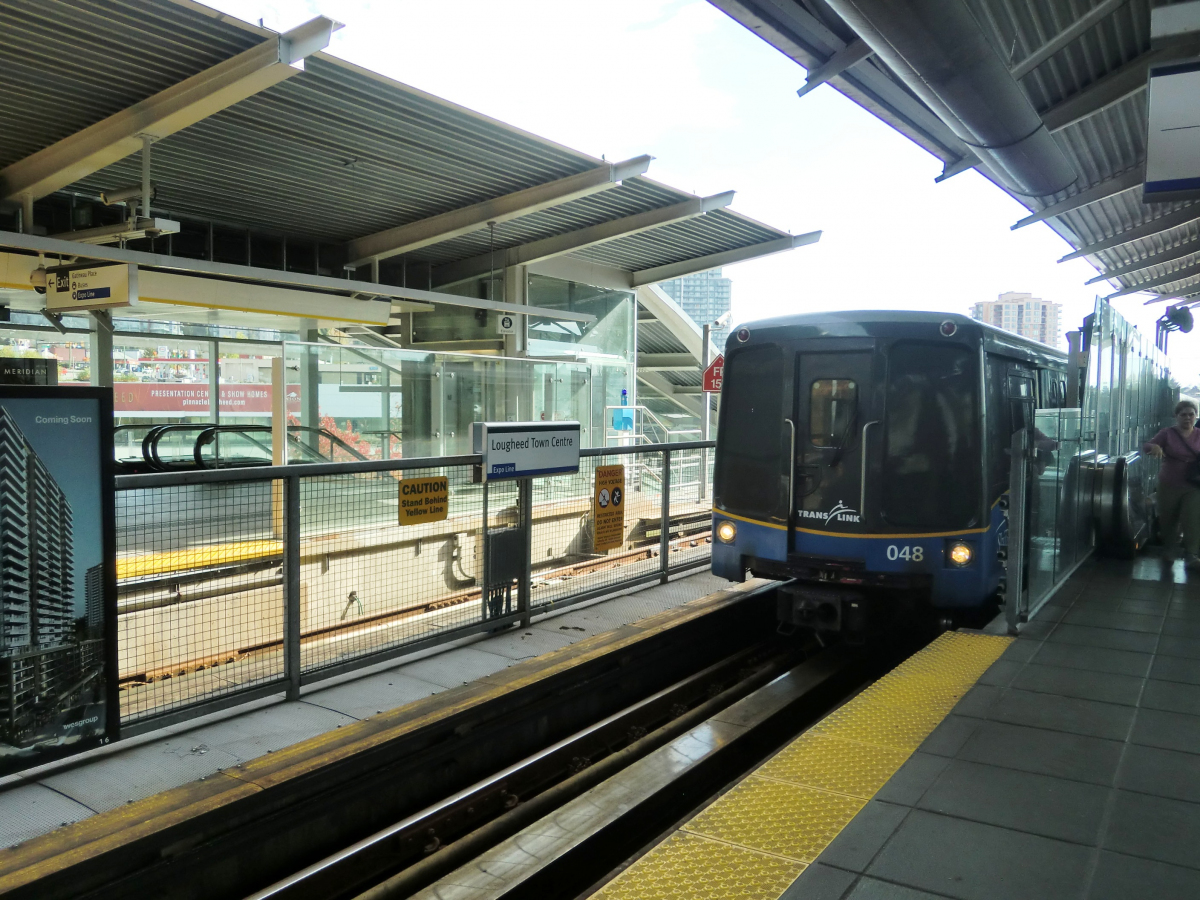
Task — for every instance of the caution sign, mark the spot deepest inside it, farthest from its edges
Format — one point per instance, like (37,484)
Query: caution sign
(609,507)
(424,499)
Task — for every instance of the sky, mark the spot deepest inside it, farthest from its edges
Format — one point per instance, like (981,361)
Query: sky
(716,106)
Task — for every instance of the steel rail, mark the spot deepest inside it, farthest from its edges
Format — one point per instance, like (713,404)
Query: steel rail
(332,875)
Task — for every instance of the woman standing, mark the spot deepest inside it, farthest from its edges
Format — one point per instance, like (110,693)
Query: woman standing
(1179,499)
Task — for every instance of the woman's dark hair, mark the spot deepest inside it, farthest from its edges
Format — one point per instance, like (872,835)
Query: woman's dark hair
(1186,404)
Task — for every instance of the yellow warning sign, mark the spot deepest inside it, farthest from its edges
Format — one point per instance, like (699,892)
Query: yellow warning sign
(424,499)
(609,507)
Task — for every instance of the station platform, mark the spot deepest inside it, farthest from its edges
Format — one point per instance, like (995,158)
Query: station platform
(1062,763)
(37,801)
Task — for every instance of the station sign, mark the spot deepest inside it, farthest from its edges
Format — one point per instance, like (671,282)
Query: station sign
(424,499)
(87,287)
(524,449)
(714,375)
(608,507)
(506,323)
(1172,139)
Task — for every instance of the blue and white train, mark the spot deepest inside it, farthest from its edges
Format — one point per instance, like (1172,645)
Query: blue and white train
(865,457)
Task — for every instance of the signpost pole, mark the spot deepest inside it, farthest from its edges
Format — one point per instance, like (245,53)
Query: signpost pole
(485,564)
(525,500)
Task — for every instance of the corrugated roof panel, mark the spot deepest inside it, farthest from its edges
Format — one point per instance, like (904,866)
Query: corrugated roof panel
(334,152)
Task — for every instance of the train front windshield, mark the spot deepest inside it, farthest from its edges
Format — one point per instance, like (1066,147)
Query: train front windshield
(751,470)
(931,472)
(924,464)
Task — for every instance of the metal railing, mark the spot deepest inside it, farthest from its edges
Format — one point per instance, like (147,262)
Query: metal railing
(240,583)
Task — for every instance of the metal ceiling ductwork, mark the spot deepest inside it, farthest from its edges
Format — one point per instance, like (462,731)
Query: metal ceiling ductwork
(937,48)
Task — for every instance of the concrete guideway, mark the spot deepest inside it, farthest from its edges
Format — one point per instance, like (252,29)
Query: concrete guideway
(120,780)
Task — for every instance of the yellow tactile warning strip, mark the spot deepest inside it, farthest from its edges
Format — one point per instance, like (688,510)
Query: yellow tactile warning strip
(754,840)
(197,558)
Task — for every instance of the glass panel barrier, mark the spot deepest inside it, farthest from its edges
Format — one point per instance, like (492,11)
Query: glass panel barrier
(391,404)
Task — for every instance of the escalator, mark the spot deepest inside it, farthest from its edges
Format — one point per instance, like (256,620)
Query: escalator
(188,447)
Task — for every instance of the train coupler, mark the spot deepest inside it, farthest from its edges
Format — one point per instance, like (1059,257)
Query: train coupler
(823,609)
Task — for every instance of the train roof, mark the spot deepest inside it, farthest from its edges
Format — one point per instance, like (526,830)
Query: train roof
(875,322)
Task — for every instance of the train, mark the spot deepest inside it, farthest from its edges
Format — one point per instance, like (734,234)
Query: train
(865,460)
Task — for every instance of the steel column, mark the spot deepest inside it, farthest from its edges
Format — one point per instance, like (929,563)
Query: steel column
(1014,591)
(664,538)
(291,587)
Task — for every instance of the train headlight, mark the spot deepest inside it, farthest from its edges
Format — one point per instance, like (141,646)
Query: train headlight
(961,554)
(726,532)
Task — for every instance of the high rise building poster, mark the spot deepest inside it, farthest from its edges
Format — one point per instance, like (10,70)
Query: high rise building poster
(58,693)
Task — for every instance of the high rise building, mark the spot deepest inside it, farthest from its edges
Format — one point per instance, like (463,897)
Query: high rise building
(1023,314)
(93,591)
(704,296)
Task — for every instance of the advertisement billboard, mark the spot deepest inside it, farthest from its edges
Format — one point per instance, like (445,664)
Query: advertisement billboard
(58,691)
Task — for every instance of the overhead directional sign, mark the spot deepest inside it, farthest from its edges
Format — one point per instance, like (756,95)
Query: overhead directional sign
(608,507)
(102,286)
(522,449)
(714,375)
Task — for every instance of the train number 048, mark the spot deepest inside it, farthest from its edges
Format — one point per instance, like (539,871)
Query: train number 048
(906,553)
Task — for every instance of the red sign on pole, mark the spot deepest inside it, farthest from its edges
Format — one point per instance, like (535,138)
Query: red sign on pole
(714,375)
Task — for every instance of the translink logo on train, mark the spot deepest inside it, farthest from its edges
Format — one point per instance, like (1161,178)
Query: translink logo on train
(840,513)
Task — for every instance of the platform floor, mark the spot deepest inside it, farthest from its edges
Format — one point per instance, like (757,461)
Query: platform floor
(1070,769)
(39,800)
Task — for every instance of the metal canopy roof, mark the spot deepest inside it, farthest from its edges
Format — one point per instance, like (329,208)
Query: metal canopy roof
(1084,67)
(332,154)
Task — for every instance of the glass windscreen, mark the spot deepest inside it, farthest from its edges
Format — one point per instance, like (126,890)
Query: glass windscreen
(831,406)
(750,476)
(931,469)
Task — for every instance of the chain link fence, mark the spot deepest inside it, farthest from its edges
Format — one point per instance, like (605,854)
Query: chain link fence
(238,583)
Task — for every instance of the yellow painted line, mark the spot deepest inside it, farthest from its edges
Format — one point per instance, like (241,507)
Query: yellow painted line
(196,558)
(848,534)
(755,840)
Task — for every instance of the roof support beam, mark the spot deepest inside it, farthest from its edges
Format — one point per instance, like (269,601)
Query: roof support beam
(167,112)
(667,362)
(850,55)
(523,254)
(448,225)
(1126,181)
(1149,262)
(679,323)
(341,286)
(1114,87)
(725,258)
(1170,278)
(1068,35)
(1147,229)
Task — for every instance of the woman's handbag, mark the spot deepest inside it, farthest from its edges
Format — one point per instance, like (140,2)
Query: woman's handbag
(1192,472)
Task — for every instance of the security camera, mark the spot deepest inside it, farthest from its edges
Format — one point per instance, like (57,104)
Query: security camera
(38,278)
(127,193)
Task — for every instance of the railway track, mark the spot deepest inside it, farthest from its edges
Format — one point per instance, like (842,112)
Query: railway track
(582,840)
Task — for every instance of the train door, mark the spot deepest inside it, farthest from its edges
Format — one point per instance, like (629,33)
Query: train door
(834,408)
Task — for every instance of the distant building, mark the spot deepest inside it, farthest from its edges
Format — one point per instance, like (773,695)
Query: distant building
(1022,314)
(93,592)
(705,297)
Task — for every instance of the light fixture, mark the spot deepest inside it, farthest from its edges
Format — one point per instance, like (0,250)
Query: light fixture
(960,554)
(726,532)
